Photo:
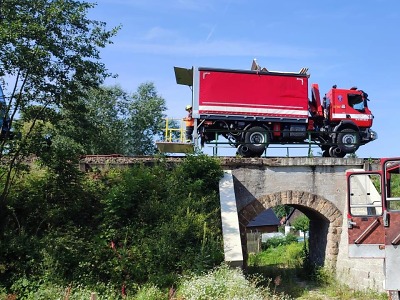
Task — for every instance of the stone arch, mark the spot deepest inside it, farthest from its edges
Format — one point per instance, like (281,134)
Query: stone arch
(325,222)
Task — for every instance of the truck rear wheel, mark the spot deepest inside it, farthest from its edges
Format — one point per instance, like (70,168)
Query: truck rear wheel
(325,153)
(348,140)
(244,151)
(336,152)
(257,139)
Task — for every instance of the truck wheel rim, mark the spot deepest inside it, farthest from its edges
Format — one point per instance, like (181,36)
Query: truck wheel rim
(349,140)
(257,138)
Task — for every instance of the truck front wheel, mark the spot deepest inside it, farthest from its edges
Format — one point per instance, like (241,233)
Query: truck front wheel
(348,140)
(257,139)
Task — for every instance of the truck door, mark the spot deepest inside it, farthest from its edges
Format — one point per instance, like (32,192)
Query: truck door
(391,220)
(365,215)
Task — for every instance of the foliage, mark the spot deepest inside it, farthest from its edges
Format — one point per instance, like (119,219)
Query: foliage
(223,283)
(26,289)
(290,255)
(160,225)
(120,226)
(284,265)
(149,292)
(146,120)
(278,241)
(50,57)
(328,286)
(301,223)
(394,191)
(96,120)
(108,120)
(282,211)
(45,226)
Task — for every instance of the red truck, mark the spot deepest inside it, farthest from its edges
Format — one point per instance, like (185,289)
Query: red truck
(373,217)
(255,108)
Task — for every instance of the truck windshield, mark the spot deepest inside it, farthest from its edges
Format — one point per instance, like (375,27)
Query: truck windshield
(356,101)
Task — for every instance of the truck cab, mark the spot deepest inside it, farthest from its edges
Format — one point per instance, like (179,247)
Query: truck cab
(349,105)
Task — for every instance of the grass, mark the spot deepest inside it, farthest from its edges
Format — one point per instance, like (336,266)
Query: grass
(221,283)
(276,273)
(286,263)
(224,283)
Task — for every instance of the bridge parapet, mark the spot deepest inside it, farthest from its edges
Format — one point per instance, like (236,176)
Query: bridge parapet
(104,161)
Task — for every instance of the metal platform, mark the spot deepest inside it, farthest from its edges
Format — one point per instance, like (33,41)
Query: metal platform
(174,147)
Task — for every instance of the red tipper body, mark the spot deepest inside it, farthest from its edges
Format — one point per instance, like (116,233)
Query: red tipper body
(251,94)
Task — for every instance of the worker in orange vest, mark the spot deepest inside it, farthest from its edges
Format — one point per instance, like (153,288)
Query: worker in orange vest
(189,124)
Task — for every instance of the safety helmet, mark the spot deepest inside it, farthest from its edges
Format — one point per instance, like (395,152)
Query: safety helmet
(188,107)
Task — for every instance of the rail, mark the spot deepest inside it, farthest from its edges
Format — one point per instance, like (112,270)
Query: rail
(298,145)
(174,130)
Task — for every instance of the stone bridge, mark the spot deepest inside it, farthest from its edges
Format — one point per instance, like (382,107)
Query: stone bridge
(316,187)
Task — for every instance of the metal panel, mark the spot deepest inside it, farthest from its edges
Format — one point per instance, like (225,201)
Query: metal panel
(392,267)
(195,93)
(184,76)
(229,93)
(366,251)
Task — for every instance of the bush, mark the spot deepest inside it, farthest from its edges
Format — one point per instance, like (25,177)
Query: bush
(25,289)
(279,241)
(291,255)
(138,225)
(149,292)
(223,283)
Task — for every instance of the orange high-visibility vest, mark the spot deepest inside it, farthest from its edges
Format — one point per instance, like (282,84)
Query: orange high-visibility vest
(189,121)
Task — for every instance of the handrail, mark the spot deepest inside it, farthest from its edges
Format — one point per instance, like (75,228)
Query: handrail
(172,134)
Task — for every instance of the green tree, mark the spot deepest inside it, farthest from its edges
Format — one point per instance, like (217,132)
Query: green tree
(146,120)
(107,112)
(302,223)
(50,55)
(99,123)
(108,120)
(282,211)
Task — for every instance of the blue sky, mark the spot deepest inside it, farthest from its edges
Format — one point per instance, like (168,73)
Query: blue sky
(347,43)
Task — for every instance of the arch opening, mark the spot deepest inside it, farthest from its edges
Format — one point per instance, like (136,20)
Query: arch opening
(325,222)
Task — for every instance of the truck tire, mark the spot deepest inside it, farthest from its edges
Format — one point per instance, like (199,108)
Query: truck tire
(257,139)
(348,140)
(325,153)
(336,152)
(243,151)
